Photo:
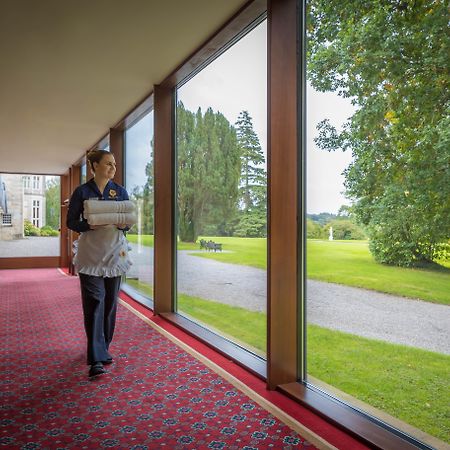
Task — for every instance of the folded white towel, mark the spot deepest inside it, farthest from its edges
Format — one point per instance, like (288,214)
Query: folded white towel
(108,206)
(111,218)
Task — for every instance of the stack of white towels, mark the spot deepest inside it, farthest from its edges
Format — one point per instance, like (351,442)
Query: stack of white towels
(104,212)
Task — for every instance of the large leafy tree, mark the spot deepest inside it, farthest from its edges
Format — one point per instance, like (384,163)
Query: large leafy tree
(390,57)
(208,171)
(253,181)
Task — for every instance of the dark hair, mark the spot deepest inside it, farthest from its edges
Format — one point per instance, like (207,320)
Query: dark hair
(95,156)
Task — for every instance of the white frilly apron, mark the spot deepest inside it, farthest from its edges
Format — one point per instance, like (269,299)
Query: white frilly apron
(102,252)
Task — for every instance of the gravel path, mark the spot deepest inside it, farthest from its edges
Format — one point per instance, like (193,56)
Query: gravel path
(379,316)
(354,310)
(30,246)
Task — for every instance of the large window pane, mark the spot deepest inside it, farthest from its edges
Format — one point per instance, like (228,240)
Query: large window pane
(139,184)
(377,210)
(221,194)
(29,215)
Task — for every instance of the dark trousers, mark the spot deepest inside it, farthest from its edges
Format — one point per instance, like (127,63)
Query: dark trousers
(99,296)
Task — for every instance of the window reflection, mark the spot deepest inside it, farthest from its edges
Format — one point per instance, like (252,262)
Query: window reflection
(83,175)
(139,184)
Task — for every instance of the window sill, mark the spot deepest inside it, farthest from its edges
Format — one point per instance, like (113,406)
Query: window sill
(369,430)
(241,356)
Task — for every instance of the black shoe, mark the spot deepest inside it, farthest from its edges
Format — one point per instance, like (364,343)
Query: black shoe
(96,369)
(108,361)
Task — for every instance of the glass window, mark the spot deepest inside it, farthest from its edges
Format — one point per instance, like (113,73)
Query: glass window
(104,144)
(221,194)
(29,219)
(83,174)
(378,268)
(139,184)
(36,182)
(36,213)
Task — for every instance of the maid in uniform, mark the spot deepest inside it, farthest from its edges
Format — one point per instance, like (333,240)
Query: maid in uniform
(100,258)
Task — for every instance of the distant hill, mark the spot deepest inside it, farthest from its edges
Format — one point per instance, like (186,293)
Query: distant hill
(322,218)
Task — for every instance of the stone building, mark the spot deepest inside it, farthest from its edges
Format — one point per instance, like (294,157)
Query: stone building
(34,199)
(21,197)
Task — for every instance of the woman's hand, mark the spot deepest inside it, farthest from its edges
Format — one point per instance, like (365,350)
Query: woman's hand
(121,226)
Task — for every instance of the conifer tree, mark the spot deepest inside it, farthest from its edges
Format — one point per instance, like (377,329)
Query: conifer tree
(207,172)
(253,181)
(253,174)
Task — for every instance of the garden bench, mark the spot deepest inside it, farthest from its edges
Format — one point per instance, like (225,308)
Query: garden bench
(213,246)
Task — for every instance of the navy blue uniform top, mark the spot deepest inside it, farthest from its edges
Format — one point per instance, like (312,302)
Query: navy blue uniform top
(75,218)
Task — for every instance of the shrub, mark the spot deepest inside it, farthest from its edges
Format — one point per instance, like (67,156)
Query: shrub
(29,229)
(346,229)
(252,224)
(314,230)
(49,231)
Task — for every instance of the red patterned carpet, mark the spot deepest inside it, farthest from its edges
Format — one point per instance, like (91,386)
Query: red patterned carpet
(155,395)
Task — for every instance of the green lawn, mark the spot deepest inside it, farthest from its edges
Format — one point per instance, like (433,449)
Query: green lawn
(343,262)
(407,383)
(350,263)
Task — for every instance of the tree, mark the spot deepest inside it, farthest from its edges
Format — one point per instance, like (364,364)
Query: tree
(220,213)
(148,197)
(253,175)
(345,211)
(208,171)
(346,229)
(253,181)
(52,202)
(391,58)
(314,230)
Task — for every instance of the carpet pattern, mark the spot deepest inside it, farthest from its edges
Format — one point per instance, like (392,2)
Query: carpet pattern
(154,396)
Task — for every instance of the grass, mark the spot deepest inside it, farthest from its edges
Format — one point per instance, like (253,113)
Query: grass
(146,239)
(351,263)
(407,383)
(344,262)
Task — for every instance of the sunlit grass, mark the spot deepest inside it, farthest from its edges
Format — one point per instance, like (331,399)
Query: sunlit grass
(351,263)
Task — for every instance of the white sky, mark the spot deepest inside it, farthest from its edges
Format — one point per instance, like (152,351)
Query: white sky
(234,82)
(237,81)
(324,179)
(137,143)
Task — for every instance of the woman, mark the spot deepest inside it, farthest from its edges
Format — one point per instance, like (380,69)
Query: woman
(101,258)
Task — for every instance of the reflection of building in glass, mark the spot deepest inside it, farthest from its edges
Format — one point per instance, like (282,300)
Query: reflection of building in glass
(22,197)
(11,207)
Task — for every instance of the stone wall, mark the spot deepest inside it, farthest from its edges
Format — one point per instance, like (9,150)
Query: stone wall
(14,193)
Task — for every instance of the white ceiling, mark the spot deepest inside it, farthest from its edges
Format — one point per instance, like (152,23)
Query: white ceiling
(70,70)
